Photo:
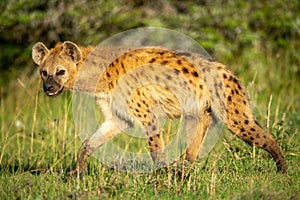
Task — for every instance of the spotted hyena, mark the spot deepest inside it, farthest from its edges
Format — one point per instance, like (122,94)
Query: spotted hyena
(224,98)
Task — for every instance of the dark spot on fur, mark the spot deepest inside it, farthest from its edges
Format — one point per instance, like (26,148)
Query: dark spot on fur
(237,92)
(156,78)
(185,70)
(107,74)
(151,67)
(257,136)
(156,145)
(164,62)
(252,129)
(195,74)
(224,76)
(153,128)
(246,121)
(244,134)
(150,138)
(201,87)
(235,80)
(229,98)
(179,62)
(220,85)
(265,145)
(251,138)
(152,60)
(137,110)
(244,102)
(176,71)
(242,129)
(138,104)
(236,111)
(169,77)
(239,86)
(122,66)
(235,122)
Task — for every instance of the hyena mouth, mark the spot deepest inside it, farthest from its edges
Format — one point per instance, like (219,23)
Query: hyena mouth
(54,93)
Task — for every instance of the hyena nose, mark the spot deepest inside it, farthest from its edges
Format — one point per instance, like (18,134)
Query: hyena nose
(49,87)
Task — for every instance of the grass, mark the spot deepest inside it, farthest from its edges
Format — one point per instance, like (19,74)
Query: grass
(39,144)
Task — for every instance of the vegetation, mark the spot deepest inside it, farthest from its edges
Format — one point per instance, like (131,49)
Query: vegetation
(259,40)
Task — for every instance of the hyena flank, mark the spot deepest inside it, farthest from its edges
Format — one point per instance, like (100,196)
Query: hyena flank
(60,65)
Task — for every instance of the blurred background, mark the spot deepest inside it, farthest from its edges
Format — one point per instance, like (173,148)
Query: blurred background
(226,29)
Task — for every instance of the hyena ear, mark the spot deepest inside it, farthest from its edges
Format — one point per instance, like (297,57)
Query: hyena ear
(39,51)
(72,50)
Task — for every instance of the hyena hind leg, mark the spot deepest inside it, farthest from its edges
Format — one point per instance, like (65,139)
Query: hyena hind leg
(155,139)
(251,132)
(196,129)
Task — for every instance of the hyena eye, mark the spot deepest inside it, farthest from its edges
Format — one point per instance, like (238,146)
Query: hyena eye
(61,72)
(44,73)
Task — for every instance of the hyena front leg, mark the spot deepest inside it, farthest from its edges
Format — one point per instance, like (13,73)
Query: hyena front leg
(196,128)
(107,131)
(155,140)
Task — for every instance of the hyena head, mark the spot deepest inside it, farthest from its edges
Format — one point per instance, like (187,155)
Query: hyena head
(58,66)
